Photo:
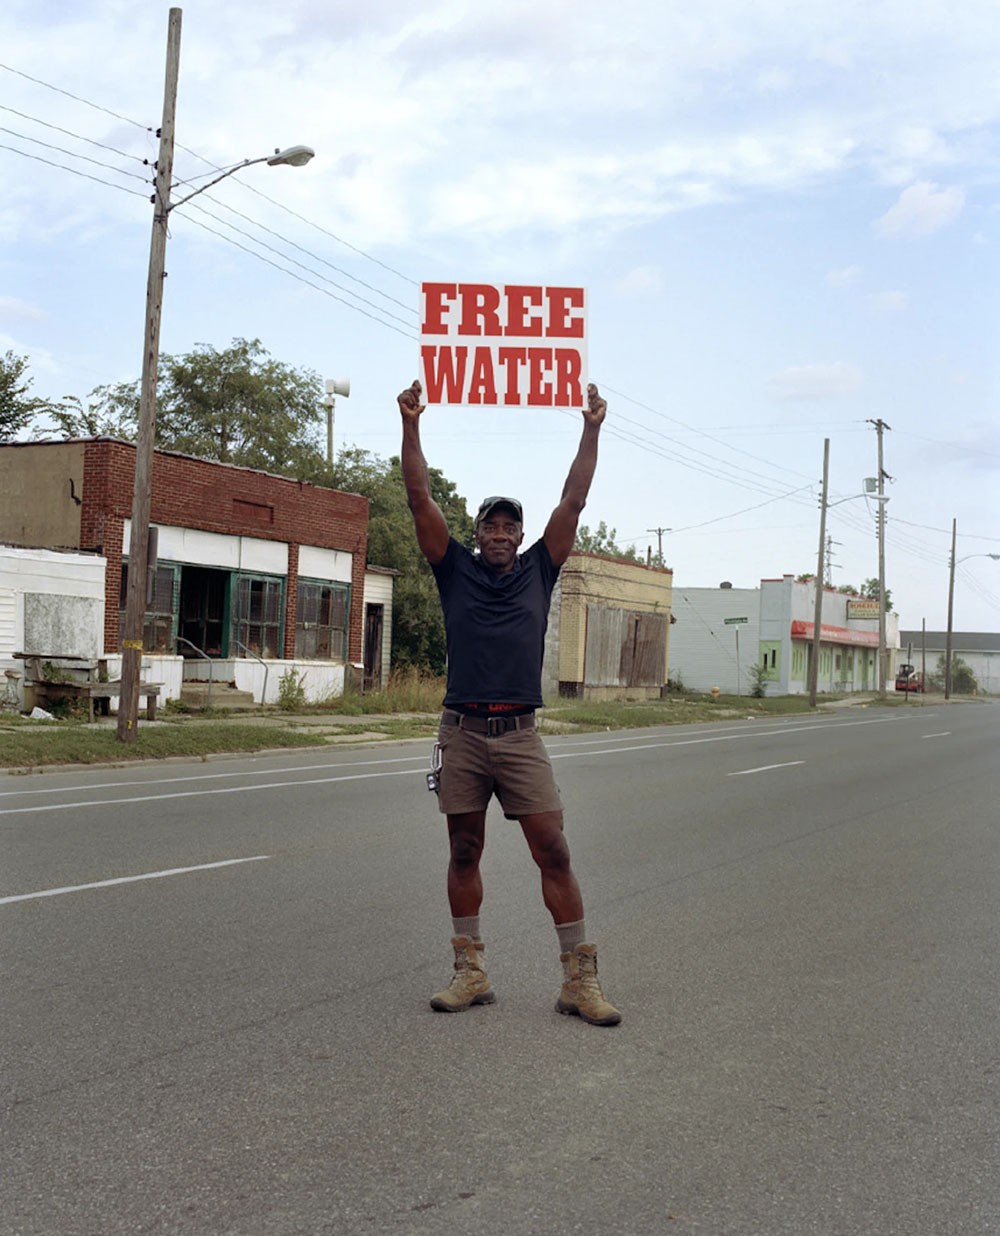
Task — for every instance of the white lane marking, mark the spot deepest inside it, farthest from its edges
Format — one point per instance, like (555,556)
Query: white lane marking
(242,772)
(149,875)
(409,772)
(745,772)
(943,734)
(232,789)
(691,742)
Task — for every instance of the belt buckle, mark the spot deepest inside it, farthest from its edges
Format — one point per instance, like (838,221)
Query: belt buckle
(496,726)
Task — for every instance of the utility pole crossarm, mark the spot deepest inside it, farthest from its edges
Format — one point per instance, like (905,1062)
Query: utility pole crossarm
(659,540)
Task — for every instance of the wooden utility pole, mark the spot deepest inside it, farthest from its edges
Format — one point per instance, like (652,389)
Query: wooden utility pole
(659,541)
(135,597)
(951,611)
(923,653)
(818,606)
(880,425)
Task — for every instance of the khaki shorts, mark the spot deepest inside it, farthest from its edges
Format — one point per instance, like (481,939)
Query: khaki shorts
(514,766)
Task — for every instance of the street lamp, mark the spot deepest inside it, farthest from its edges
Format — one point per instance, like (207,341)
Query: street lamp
(135,597)
(951,604)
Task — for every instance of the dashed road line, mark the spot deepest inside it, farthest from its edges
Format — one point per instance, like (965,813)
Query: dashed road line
(745,772)
(149,875)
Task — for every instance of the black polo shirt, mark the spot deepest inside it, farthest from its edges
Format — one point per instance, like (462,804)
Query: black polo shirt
(495,624)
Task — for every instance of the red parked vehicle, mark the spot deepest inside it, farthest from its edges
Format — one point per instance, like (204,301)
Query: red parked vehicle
(909,679)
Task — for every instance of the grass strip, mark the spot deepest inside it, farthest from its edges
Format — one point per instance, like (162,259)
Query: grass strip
(22,746)
(411,710)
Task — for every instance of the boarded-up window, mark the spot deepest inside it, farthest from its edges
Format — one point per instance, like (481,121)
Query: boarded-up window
(625,648)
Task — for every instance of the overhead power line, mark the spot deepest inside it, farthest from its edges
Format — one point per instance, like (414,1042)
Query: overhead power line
(271,249)
(73,170)
(78,98)
(260,257)
(73,154)
(315,256)
(69,133)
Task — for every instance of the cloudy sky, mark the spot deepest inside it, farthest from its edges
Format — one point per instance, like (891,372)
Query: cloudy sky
(784,212)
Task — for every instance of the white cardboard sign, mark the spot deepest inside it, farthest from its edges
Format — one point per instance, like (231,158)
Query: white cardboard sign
(503,345)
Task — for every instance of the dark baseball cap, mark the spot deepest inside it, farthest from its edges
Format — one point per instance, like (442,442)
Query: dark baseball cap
(489,505)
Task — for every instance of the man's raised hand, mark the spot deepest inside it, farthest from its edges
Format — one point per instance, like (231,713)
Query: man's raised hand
(409,402)
(596,407)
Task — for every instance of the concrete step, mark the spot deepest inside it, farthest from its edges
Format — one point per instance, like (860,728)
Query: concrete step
(224,695)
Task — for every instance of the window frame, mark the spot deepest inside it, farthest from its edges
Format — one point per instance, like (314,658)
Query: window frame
(241,626)
(304,629)
(154,618)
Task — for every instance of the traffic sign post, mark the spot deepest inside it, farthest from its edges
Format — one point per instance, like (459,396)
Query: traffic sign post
(737,623)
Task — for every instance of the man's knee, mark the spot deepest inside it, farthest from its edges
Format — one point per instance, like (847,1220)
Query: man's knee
(466,850)
(466,836)
(548,843)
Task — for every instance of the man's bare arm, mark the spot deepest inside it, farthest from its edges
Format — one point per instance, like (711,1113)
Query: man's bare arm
(560,532)
(430,523)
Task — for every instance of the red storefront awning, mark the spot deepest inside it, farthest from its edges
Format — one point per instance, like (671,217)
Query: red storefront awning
(834,635)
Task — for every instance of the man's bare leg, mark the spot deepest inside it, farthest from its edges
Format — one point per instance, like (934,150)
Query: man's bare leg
(470,983)
(581,992)
(550,850)
(467,835)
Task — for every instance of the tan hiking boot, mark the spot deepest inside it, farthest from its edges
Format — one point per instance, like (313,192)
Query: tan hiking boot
(469,984)
(581,990)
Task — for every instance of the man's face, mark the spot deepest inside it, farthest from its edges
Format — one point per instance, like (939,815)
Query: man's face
(498,537)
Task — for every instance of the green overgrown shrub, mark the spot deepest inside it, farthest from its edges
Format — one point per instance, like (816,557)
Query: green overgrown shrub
(291,690)
(758,677)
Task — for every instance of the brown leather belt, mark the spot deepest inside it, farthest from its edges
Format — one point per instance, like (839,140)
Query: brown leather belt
(492,727)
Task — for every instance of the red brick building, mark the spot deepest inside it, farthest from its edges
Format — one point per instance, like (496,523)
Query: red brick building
(248,563)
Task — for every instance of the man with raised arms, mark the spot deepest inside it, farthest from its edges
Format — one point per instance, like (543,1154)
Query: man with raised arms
(496,606)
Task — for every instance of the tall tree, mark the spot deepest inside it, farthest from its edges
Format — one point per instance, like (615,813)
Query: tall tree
(870,589)
(238,406)
(602,541)
(110,411)
(417,624)
(17,407)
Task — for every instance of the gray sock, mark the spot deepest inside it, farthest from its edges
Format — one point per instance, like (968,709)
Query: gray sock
(467,927)
(570,935)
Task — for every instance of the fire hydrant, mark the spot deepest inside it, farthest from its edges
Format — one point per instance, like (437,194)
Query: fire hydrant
(715,693)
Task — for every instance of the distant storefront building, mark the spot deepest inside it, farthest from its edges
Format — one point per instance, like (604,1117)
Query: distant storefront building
(722,632)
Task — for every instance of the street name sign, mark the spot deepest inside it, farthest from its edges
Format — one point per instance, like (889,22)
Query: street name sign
(731,622)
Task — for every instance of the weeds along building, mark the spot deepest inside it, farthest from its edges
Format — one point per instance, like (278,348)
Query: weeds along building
(254,572)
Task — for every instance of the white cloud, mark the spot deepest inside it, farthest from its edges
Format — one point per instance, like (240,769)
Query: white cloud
(800,383)
(14,310)
(845,277)
(642,281)
(923,208)
(888,302)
